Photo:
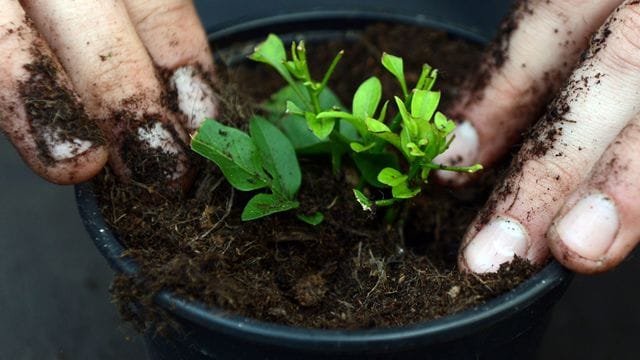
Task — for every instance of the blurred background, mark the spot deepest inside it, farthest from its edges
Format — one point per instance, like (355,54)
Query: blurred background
(54,302)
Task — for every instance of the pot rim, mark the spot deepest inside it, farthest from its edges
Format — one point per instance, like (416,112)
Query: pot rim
(552,278)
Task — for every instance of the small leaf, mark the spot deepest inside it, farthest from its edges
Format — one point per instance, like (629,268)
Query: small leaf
(321,126)
(376,126)
(262,205)
(391,177)
(358,147)
(395,66)
(424,104)
(383,112)
(233,151)
(278,156)
(367,98)
(272,52)
(402,191)
(415,150)
(443,124)
(407,121)
(363,200)
(292,108)
(314,219)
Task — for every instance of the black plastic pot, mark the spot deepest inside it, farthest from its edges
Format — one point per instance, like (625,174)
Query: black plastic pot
(508,327)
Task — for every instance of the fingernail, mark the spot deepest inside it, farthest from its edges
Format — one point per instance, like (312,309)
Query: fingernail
(497,243)
(590,227)
(63,149)
(195,96)
(157,137)
(462,151)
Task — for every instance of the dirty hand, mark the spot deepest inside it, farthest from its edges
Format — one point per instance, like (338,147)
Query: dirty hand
(84,81)
(575,184)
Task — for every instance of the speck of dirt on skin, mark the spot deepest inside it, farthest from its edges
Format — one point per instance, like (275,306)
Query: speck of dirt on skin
(52,107)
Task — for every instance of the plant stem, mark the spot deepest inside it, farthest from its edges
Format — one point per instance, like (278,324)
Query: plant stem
(467,169)
(329,72)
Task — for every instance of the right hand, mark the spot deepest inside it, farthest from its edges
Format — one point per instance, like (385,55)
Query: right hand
(83,82)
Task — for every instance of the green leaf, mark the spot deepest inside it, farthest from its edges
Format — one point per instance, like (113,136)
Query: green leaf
(272,52)
(363,200)
(358,147)
(395,66)
(266,204)
(370,164)
(424,104)
(443,124)
(414,150)
(376,126)
(391,138)
(391,177)
(367,98)
(234,153)
(383,112)
(402,191)
(314,219)
(278,157)
(408,122)
(292,108)
(321,126)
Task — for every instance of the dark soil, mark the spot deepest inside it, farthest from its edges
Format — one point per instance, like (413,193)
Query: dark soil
(346,273)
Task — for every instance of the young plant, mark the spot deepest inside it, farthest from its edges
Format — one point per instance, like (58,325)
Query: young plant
(397,154)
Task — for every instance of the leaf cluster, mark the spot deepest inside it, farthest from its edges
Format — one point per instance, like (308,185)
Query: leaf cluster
(306,118)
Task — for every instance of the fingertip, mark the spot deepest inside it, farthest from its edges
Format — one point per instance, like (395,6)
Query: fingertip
(75,170)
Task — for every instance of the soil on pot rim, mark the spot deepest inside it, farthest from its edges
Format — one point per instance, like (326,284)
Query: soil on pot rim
(346,273)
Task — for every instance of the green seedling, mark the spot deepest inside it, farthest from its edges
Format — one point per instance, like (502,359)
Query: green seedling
(397,153)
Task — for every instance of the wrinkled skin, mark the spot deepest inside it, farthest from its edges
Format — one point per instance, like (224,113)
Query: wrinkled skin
(572,187)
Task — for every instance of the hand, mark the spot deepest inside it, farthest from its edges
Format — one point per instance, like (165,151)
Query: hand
(574,186)
(84,81)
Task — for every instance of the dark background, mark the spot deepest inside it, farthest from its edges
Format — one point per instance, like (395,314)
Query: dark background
(53,283)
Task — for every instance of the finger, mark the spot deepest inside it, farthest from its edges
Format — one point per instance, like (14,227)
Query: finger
(536,49)
(112,71)
(599,100)
(175,38)
(39,111)
(598,224)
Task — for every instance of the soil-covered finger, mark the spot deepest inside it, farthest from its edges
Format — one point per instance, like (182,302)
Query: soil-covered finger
(39,111)
(172,33)
(598,224)
(536,48)
(114,74)
(597,102)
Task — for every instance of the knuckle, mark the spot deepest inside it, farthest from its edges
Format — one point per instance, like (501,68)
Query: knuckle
(549,175)
(157,15)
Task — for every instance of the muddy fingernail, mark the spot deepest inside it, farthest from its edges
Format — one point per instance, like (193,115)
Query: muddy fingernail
(497,243)
(590,227)
(156,137)
(195,96)
(63,149)
(462,152)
